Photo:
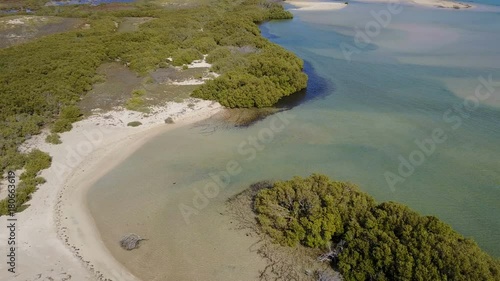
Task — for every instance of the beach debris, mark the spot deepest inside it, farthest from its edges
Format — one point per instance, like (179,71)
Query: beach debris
(333,252)
(130,241)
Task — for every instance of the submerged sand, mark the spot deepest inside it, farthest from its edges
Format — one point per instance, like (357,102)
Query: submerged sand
(57,237)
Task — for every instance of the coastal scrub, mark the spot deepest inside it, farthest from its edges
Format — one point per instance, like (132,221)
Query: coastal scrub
(386,241)
(42,81)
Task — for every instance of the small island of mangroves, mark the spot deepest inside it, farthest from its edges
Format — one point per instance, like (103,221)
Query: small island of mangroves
(316,228)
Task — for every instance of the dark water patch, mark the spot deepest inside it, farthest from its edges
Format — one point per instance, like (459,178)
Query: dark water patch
(235,118)
(118,83)
(317,87)
(266,33)
(9,12)
(34,27)
(15,11)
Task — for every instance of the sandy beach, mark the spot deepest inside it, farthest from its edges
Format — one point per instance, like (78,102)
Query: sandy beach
(316,5)
(57,239)
(327,5)
(447,4)
(441,4)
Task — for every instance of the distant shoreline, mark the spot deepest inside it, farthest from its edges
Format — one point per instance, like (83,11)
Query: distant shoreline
(315,5)
(447,4)
(303,5)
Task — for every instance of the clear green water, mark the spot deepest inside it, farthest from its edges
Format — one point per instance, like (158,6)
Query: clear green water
(358,119)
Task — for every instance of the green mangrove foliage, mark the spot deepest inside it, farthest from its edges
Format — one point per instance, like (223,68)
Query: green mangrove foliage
(386,241)
(186,56)
(136,102)
(53,138)
(134,124)
(34,162)
(257,79)
(68,115)
(41,81)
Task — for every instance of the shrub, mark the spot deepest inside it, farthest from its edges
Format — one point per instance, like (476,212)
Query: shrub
(257,79)
(387,241)
(313,214)
(186,56)
(276,12)
(204,44)
(53,138)
(61,126)
(68,115)
(71,113)
(233,62)
(136,102)
(36,161)
(218,54)
(134,124)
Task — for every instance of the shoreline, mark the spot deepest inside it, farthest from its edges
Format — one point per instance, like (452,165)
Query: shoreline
(315,5)
(301,5)
(436,4)
(58,226)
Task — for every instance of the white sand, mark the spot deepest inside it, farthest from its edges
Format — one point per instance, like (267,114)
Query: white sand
(316,5)
(449,4)
(23,20)
(200,63)
(57,239)
(441,4)
(326,5)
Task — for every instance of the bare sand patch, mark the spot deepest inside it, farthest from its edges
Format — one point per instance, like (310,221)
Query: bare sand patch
(316,5)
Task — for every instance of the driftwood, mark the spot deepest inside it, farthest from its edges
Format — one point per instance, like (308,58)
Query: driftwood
(130,241)
(333,253)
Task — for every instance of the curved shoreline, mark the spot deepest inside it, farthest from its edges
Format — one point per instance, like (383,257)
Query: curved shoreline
(75,224)
(58,239)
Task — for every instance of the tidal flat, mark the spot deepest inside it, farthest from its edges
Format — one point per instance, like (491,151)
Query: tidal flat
(369,114)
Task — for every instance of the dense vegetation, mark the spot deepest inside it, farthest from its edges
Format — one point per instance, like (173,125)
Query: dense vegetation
(386,241)
(42,81)
(258,79)
(35,161)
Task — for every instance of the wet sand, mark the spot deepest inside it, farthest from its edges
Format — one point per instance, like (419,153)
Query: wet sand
(58,239)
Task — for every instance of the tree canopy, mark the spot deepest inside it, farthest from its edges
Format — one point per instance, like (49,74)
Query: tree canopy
(386,241)
(42,81)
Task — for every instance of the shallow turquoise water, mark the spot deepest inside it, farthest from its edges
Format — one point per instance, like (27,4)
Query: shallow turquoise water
(360,118)
(396,91)
(485,2)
